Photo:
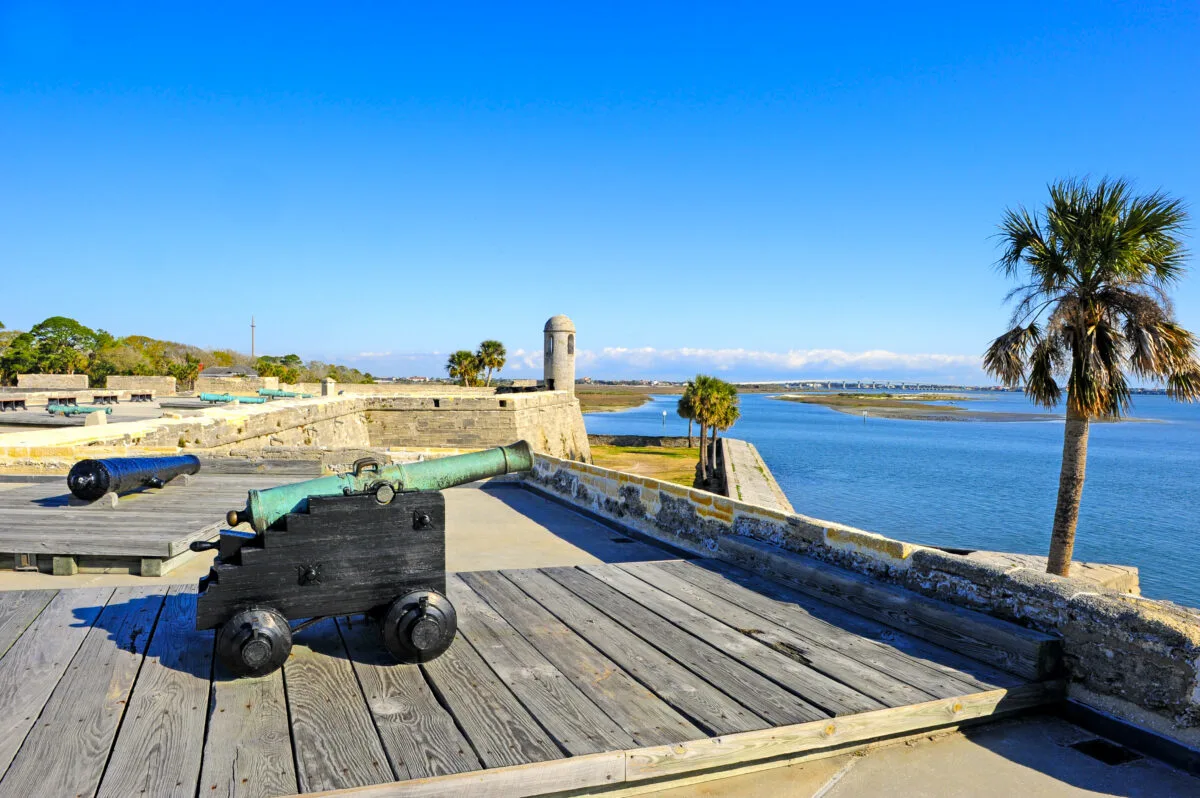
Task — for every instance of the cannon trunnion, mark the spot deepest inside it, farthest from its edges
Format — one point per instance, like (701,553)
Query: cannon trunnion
(343,555)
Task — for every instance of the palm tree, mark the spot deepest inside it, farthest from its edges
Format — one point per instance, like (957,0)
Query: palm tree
(463,366)
(725,414)
(1095,265)
(491,356)
(705,398)
(684,410)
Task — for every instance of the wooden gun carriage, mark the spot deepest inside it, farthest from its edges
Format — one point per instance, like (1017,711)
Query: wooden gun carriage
(370,541)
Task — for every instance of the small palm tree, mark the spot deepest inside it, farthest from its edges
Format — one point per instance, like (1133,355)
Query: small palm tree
(1095,266)
(463,366)
(491,356)
(725,415)
(684,410)
(706,396)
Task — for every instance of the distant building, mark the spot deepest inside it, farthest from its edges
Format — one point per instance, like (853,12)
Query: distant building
(229,371)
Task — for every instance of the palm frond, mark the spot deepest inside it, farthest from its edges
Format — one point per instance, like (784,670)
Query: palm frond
(1007,356)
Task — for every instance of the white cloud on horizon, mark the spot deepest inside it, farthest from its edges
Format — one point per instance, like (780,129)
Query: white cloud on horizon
(735,363)
(790,361)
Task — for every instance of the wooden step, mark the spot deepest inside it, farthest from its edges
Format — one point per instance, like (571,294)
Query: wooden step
(1024,652)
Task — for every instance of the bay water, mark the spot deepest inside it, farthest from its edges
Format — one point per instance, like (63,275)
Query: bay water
(981,484)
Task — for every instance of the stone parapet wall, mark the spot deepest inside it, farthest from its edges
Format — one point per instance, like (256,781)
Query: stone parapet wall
(551,421)
(395,389)
(161,386)
(245,386)
(1141,657)
(42,382)
(330,423)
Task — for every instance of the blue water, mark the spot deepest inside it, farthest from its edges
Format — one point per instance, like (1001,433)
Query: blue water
(982,485)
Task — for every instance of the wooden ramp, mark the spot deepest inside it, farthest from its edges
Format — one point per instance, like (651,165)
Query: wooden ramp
(149,529)
(560,679)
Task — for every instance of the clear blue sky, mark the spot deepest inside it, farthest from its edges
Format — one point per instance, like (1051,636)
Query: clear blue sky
(411,178)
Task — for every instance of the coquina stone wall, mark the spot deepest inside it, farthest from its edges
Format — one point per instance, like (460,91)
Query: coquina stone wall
(161,386)
(235,385)
(1130,656)
(41,382)
(550,420)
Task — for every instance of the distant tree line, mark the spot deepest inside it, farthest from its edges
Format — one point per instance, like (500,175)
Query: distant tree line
(713,404)
(469,368)
(291,369)
(61,345)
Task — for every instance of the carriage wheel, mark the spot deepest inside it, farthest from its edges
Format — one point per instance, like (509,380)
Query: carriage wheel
(419,626)
(254,642)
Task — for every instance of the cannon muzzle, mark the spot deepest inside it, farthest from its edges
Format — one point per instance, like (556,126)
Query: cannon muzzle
(91,479)
(265,507)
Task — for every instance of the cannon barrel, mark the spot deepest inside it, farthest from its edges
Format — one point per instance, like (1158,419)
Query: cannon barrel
(77,410)
(275,393)
(265,507)
(91,479)
(228,397)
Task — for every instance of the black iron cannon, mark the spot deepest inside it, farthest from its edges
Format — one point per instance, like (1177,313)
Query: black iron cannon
(91,479)
(371,541)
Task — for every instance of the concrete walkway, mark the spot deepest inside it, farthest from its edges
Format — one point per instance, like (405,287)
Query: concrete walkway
(751,481)
(1031,758)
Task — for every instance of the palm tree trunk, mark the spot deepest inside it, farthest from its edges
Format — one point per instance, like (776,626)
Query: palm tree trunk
(703,456)
(1070,490)
(690,422)
(712,453)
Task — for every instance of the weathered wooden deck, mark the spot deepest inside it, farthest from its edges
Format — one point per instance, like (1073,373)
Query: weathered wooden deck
(561,678)
(147,532)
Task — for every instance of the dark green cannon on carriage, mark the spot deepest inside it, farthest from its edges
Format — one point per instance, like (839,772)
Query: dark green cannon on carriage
(372,540)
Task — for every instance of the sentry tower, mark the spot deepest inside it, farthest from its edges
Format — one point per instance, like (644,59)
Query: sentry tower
(559,355)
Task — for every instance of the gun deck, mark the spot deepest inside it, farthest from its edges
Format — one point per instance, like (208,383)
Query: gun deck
(561,678)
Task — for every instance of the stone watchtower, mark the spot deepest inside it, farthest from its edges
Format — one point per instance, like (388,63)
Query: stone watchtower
(559,353)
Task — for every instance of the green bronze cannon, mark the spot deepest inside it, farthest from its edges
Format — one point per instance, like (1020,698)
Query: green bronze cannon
(372,540)
(275,393)
(76,410)
(228,397)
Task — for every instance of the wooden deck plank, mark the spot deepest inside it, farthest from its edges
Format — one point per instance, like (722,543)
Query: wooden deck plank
(949,664)
(335,739)
(18,609)
(577,724)
(578,775)
(732,749)
(500,730)
(161,739)
(1022,651)
(740,682)
(822,654)
(647,718)
(921,664)
(34,664)
(831,696)
(66,750)
(418,734)
(248,745)
(695,698)
(130,546)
